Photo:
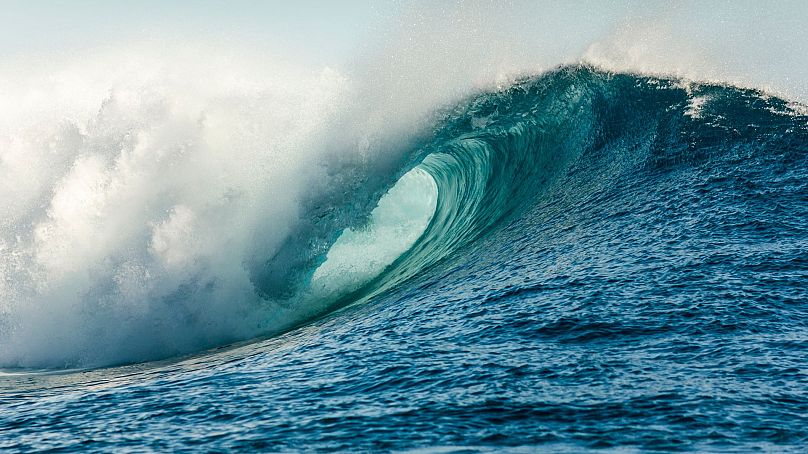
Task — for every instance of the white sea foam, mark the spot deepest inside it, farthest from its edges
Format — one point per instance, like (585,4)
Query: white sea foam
(125,230)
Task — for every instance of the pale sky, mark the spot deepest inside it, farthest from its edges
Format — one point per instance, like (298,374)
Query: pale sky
(762,43)
(324,30)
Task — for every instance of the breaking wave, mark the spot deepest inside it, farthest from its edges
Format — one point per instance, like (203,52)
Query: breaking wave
(170,222)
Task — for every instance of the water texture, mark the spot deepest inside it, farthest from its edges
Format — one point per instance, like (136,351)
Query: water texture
(583,259)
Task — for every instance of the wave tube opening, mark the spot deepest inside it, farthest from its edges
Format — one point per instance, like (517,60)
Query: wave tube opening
(394,226)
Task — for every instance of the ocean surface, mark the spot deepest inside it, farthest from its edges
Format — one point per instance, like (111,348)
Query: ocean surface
(579,260)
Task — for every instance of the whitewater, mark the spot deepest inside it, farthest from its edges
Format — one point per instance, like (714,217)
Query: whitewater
(461,240)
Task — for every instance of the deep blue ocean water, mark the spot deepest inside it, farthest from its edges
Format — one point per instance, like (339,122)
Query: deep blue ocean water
(615,262)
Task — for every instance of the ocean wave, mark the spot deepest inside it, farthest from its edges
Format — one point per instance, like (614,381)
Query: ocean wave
(166,225)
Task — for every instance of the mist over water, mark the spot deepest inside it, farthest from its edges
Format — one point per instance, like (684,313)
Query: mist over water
(161,195)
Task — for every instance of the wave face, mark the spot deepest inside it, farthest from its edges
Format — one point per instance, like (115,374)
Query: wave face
(499,155)
(576,254)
